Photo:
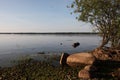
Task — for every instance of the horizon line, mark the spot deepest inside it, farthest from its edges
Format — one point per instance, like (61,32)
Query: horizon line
(48,33)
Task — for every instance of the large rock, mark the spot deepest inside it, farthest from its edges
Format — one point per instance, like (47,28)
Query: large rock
(80,58)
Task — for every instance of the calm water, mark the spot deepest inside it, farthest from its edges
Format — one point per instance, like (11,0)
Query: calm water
(12,45)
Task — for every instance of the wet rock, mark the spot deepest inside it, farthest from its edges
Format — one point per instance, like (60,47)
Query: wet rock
(84,74)
(63,59)
(41,53)
(76,44)
(80,58)
(61,43)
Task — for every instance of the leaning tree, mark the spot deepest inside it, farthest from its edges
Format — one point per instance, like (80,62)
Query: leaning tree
(104,15)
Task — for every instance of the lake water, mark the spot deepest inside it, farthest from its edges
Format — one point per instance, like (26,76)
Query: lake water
(12,45)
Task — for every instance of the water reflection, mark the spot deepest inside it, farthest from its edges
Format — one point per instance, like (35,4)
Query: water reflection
(48,43)
(14,46)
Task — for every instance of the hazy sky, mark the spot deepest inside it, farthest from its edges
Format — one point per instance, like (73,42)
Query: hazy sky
(39,16)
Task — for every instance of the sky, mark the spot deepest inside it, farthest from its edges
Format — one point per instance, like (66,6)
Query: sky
(39,16)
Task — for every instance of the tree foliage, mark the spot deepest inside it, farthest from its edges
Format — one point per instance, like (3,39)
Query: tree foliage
(104,15)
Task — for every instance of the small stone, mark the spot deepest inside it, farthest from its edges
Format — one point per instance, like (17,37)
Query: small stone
(0,78)
(84,74)
(41,53)
(106,55)
(90,68)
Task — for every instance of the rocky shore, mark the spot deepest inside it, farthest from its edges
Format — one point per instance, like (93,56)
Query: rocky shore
(99,64)
(95,65)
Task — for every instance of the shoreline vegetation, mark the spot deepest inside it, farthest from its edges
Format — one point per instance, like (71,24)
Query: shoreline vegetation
(50,69)
(31,69)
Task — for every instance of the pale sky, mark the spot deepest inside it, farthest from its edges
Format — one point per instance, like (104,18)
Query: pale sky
(39,16)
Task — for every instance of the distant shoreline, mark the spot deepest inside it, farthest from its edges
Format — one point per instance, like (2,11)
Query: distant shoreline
(50,33)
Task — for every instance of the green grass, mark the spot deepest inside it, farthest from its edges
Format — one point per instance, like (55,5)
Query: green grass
(29,69)
(38,70)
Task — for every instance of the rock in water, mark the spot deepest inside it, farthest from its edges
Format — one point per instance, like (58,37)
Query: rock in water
(63,59)
(76,44)
(80,58)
